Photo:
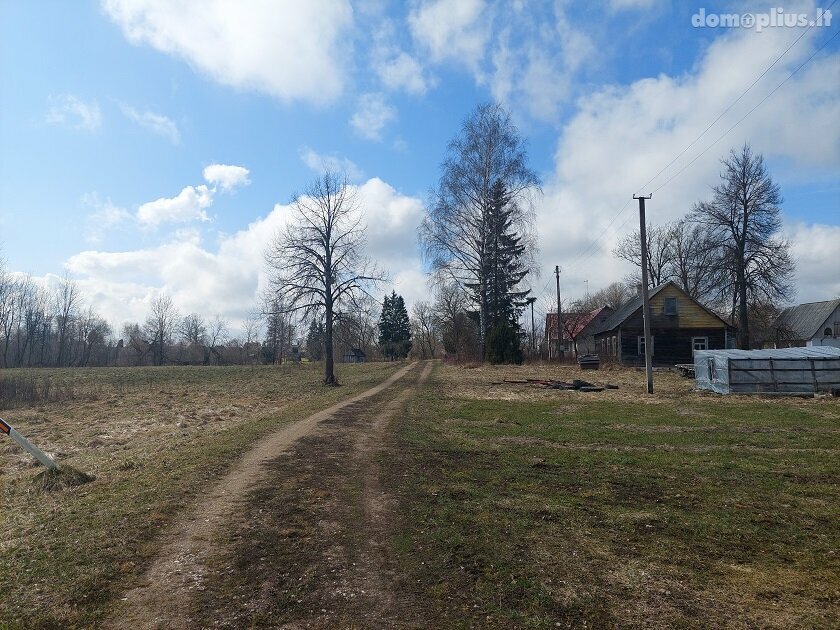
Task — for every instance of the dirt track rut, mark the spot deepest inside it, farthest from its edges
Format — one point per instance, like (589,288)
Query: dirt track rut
(163,597)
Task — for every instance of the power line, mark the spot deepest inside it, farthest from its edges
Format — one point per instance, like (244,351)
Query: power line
(733,103)
(590,250)
(759,104)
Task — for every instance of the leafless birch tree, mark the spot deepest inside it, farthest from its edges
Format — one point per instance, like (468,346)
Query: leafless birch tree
(455,232)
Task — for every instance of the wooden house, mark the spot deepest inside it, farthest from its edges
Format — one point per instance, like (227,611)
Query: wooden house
(577,331)
(355,355)
(680,326)
(813,324)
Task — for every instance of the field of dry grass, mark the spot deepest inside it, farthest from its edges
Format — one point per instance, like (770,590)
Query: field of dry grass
(528,507)
(154,439)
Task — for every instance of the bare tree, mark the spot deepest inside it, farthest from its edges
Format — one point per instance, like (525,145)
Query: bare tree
(456,231)
(459,334)
(160,327)
(317,263)
(743,220)
(136,340)
(660,253)
(250,336)
(575,320)
(693,258)
(66,306)
(218,333)
(615,296)
(425,329)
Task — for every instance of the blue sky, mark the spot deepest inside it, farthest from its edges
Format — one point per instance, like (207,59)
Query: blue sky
(109,107)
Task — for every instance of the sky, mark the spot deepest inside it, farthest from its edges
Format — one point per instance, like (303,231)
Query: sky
(151,146)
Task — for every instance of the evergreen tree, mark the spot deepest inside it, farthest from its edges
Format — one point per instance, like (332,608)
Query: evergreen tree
(315,340)
(503,344)
(402,327)
(394,328)
(504,270)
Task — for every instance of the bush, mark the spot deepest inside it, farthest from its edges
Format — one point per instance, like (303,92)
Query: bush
(503,344)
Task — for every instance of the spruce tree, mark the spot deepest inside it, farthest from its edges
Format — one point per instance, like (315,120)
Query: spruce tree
(402,327)
(394,328)
(315,340)
(504,269)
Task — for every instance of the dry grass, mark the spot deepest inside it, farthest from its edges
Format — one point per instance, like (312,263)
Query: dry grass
(153,439)
(526,507)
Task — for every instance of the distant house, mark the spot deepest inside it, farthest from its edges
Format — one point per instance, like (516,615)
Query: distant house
(294,354)
(355,355)
(813,324)
(578,330)
(680,326)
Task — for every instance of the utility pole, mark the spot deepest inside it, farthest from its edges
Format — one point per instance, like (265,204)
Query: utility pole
(531,301)
(645,294)
(559,316)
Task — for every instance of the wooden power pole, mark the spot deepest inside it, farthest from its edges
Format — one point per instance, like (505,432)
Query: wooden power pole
(645,294)
(559,316)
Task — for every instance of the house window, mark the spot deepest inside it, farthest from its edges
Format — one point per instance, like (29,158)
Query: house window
(827,332)
(641,342)
(670,307)
(700,343)
(712,370)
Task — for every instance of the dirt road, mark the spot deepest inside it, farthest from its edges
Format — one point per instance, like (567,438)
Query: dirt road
(232,559)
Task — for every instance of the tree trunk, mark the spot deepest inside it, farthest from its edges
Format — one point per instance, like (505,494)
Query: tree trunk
(743,321)
(329,360)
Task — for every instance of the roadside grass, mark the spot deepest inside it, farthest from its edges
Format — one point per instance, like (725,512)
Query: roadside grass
(524,507)
(155,439)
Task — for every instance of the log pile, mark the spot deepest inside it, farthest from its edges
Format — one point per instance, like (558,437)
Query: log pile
(577,384)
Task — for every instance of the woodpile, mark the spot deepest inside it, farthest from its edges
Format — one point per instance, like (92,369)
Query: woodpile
(577,384)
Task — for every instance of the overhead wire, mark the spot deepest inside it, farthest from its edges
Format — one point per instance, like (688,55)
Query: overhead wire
(590,250)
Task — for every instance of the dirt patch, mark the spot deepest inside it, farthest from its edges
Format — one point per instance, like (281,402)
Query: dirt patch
(162,598)
(312,546)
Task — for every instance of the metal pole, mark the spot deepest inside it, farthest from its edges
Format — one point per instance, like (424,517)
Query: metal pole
(559,316)
(531,301)
(30,448)
(645,294)
(533,329)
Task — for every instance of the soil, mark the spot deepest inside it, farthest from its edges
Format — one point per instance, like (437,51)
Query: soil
(171,592)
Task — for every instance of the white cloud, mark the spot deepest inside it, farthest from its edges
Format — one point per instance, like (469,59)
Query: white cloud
(68,109)
(402,72)
(622,135)
(451,29)
(536,76)
(320,162)
(372,115)
(290,50)
(815,249)
(226,176)
(621,5)
(157,123)
(227,279)
(188,205)
(106,216)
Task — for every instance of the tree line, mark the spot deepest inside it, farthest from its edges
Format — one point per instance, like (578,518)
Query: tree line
(478,239)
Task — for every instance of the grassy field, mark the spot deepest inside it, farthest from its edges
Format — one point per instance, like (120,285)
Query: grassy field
(524,507)
(154,439)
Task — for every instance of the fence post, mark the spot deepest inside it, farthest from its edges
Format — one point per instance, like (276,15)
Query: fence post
(30,448)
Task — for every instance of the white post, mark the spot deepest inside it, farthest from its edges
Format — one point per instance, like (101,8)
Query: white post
(33,450)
